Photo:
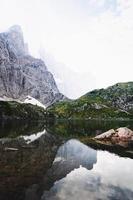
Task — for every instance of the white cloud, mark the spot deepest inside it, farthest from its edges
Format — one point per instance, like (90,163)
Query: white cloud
(110,178)
(100,44)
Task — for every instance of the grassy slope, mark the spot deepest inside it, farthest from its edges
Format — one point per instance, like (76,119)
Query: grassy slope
(14,110)
(119,95)
(96,104)
(85,109)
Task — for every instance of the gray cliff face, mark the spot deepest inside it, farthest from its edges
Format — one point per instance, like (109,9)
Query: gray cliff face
(21,74)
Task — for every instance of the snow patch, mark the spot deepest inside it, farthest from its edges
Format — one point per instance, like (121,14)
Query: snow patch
(33,101)
(33,137)
(5,98)
(1,99)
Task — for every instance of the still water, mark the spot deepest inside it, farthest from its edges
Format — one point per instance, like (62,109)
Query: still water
(52,162)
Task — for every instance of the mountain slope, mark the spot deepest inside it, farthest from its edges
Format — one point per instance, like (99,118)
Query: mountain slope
(14,110)
(21,74)
(113,102)
(119,95)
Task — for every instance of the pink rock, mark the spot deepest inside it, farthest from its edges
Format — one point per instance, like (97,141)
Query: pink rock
(124,132)
(106,135)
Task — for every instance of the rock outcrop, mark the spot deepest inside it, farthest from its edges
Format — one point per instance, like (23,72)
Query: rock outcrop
(120,134)
(21,74)
(106,135)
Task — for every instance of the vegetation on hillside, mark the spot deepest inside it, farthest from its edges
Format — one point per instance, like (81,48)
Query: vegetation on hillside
(15,110)
(113,102)
(77,109)
(119,95)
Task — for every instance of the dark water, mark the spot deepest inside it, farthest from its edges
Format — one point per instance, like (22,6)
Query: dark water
(54,162)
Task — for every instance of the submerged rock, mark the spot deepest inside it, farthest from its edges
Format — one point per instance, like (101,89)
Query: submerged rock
(10,149)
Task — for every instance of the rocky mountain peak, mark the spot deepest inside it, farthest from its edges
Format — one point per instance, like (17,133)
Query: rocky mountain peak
(16,28)
(15,41)
(22,75)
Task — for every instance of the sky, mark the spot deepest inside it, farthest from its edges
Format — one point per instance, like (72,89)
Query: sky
(94,37)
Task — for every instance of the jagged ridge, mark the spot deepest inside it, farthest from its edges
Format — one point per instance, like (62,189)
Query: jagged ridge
(21,74)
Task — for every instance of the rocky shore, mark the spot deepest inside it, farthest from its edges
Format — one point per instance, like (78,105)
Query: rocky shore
(119,136)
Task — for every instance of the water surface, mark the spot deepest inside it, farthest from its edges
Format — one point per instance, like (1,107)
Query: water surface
(90,174)
(54,162)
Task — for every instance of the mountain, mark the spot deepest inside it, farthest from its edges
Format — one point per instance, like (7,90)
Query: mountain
(22,75)
(119,95)
(114,102)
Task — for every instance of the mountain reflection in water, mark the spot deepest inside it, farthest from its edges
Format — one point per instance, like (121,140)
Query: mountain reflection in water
(36,164)
(101,175)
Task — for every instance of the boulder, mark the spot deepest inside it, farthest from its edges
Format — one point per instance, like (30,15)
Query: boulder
(124,132)
(117,136)
(106,135)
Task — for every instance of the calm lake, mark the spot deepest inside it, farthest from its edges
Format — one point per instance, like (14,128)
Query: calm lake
(56,161)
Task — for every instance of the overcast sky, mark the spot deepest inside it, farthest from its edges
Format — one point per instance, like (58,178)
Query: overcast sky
(92,36)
